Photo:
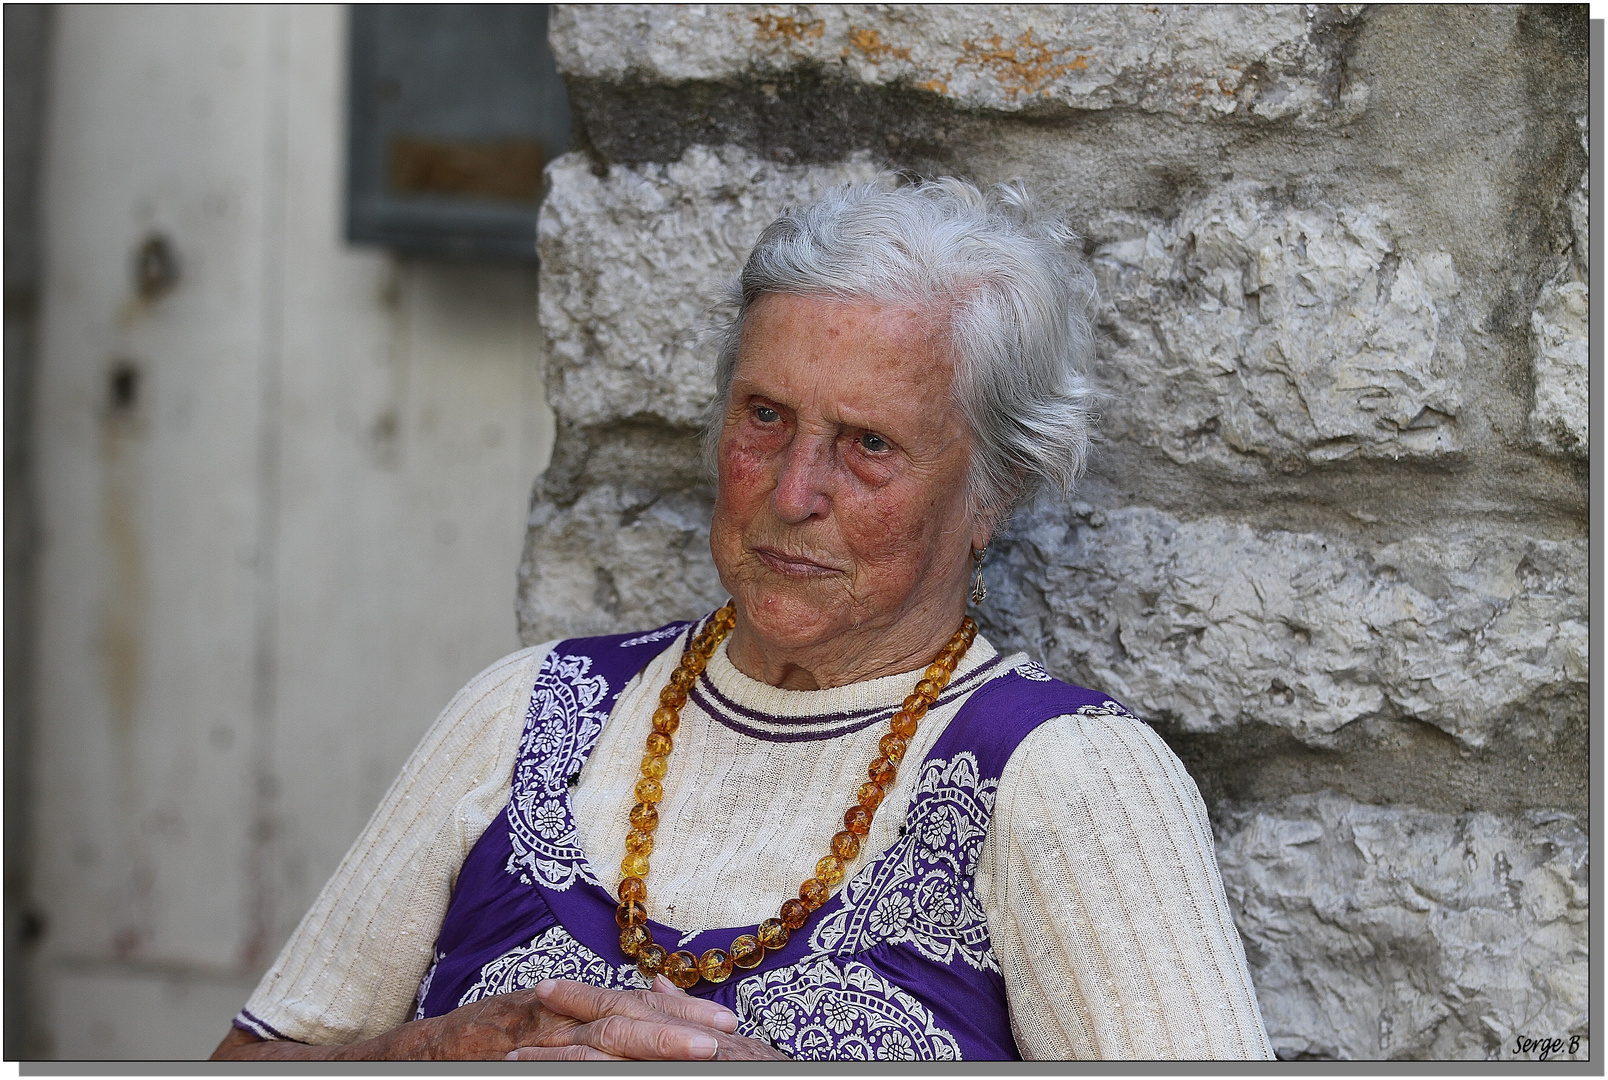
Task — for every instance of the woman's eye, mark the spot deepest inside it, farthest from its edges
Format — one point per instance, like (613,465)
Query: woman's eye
(873,444)
(766,415)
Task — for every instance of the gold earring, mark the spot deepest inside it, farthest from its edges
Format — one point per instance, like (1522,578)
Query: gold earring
(979,591)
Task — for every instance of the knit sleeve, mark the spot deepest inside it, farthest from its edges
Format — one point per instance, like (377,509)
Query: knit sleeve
(1104,904)
(352,968)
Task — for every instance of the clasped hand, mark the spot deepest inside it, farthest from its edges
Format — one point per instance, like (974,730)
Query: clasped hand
(587,1023)
(558,1020)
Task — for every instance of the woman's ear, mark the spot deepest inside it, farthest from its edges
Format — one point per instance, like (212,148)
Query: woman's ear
(986,522)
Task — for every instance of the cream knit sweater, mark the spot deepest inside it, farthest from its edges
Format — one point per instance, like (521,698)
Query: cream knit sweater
(1097,878)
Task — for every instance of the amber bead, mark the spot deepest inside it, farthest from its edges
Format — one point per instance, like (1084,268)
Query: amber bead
(746,951)
(772,934)
(928,688)
(829,870)
(633,939)
(655,766)
(881,771)
(660,744)
(645,817)
(937,673)
(858,819)
(715,965)
(630,913)
(666,720)
(846,846)
(871,796)
(813,893)
(794,913)
(683,679)
(632,888)
(894,746)
(639,842)
(649,790)
(634,865)
(650,960)
(681,968)
(672,697)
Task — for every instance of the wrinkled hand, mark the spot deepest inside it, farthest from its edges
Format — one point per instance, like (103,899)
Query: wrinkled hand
(614,1024)
(597,1013)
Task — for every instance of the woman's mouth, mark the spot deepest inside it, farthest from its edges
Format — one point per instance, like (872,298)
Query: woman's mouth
(791,564)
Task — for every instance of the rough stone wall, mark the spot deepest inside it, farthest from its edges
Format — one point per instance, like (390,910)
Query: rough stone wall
(1334,540)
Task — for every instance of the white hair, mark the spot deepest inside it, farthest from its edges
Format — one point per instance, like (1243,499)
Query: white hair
(1016,296)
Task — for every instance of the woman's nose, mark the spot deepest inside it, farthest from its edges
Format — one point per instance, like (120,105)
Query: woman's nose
(802,490)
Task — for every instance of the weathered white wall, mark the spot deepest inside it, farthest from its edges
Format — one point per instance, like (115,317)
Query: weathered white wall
(260,583)
(1334,540)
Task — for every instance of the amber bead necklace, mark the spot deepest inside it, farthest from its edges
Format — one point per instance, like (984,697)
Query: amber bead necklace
(747,950)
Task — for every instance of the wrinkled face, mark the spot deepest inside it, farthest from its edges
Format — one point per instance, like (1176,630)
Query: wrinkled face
(842,501)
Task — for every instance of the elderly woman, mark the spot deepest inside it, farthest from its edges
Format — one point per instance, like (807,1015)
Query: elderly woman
(828,820)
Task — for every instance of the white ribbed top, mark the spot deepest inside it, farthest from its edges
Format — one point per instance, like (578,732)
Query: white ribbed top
(1097,878)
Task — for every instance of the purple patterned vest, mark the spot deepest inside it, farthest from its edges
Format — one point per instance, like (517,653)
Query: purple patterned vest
(896,965)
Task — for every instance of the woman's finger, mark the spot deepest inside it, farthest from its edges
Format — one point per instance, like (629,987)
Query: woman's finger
(724,1020)
(662,985)
(721,1018)
(580,1052)
(646,1040)
(590,1003)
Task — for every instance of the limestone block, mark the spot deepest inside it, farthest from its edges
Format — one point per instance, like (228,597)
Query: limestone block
(620,558)
(1560,327)
(1580,222)
(1268,61)
(1211,623)
(1390,932)
(1247,328)
(632,269)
